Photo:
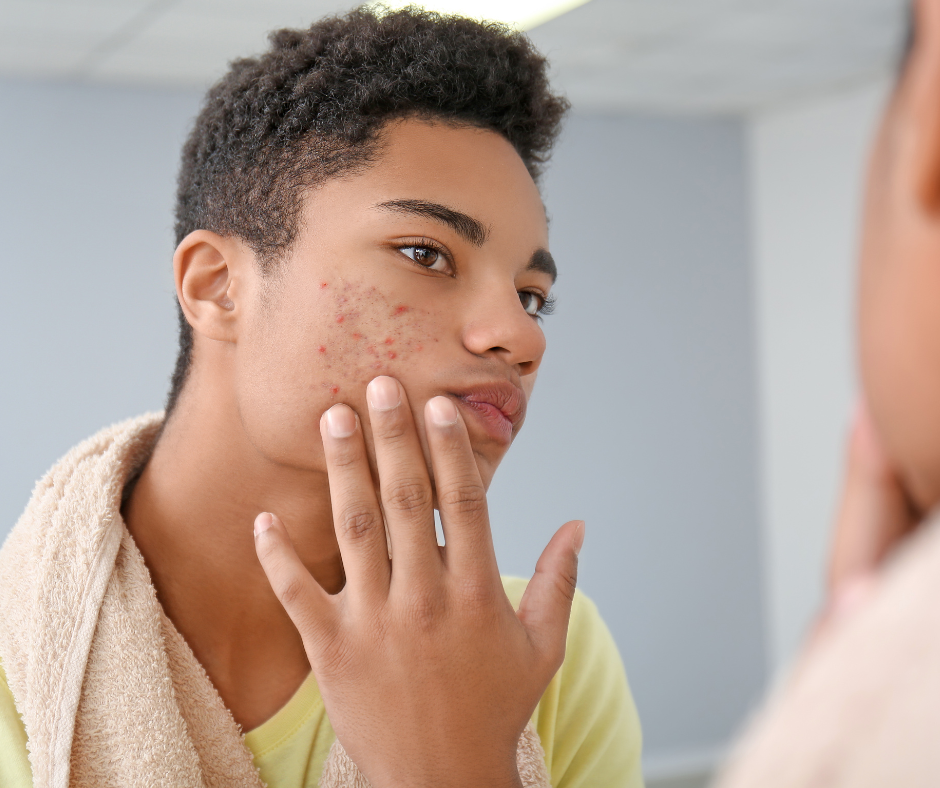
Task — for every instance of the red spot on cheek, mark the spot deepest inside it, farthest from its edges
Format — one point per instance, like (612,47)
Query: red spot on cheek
(392,354)
(400,310)
(340,319)
(419,348)
(389,341)
(322,349)
(324,284)
(334,390)
(356,335)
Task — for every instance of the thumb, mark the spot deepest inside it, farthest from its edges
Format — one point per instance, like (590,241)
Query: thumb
(546,604)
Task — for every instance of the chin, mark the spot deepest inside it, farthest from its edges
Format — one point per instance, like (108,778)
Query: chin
(487,467)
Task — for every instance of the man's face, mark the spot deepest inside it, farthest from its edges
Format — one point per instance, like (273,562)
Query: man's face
(900,273)
(428,266)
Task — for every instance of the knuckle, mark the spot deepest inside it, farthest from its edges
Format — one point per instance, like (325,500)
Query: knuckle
(358,524)
(345,457)
(477,596)
(337,659)
(567,581)
(408,496)
(391,427)
(291,591)
(468,498)
(422,611)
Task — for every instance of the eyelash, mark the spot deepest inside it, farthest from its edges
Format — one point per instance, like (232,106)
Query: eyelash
(548,305)
(548,301)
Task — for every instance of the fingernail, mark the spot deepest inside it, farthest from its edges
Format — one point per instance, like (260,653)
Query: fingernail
(263,522)
(578,538)
(340,421)
(442,412)
(383,393)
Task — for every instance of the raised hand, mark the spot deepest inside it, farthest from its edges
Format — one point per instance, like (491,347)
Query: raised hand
(428,674)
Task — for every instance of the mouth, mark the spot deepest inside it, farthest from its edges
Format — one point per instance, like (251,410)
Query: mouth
(498,407)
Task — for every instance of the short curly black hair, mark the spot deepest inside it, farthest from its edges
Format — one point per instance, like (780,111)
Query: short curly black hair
(312,107)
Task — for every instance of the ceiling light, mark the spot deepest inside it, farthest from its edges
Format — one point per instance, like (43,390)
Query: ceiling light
(520,14)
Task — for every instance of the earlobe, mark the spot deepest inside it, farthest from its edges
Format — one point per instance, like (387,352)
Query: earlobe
(204,267)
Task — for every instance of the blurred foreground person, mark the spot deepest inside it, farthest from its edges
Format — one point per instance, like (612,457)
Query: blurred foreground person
(863,705)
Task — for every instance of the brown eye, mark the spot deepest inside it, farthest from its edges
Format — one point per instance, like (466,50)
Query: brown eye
(425,256)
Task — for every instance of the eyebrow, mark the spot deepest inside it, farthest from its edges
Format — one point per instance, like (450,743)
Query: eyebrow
(542,261)
(473,230)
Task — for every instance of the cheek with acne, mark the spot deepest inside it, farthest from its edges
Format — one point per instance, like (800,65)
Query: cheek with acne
(370,335)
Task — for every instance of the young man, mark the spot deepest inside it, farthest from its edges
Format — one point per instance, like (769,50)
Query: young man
(361,266)
(863,706)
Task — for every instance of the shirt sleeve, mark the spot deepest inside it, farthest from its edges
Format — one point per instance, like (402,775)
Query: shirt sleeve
(14,761)
(587,720)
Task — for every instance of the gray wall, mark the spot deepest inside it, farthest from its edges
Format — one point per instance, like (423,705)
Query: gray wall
(87,177)
(643,421)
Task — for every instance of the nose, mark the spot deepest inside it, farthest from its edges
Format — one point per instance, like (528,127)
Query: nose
(498,326)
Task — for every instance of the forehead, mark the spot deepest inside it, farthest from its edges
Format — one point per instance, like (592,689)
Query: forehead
(472,170)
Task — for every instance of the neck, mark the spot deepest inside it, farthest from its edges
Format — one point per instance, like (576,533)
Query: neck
(191,515)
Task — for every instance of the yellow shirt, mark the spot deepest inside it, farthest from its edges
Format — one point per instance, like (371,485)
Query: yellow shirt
(586,720)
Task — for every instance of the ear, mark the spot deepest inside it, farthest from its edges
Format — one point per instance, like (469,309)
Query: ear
(921,84)
(207,268)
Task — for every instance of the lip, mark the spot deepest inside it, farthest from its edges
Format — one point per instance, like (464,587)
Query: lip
(499,407)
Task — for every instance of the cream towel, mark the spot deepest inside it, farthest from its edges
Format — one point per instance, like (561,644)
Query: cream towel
(109,692)
(862,708)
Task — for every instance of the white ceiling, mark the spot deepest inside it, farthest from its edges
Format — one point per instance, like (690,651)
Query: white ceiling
(670,55)
(720,55)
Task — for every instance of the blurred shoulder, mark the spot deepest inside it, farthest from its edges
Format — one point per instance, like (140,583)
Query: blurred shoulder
(862,702)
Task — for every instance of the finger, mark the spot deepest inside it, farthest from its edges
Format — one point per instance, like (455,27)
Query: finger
(461,495)
(546,605)
(357,517)
(305,601)
(874,514)
(407,496)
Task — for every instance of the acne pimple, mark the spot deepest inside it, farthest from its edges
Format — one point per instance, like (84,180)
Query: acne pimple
(334,390)
(363,316)
(324,284)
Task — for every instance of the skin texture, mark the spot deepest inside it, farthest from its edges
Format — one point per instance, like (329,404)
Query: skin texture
(271,355)
(893,464)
